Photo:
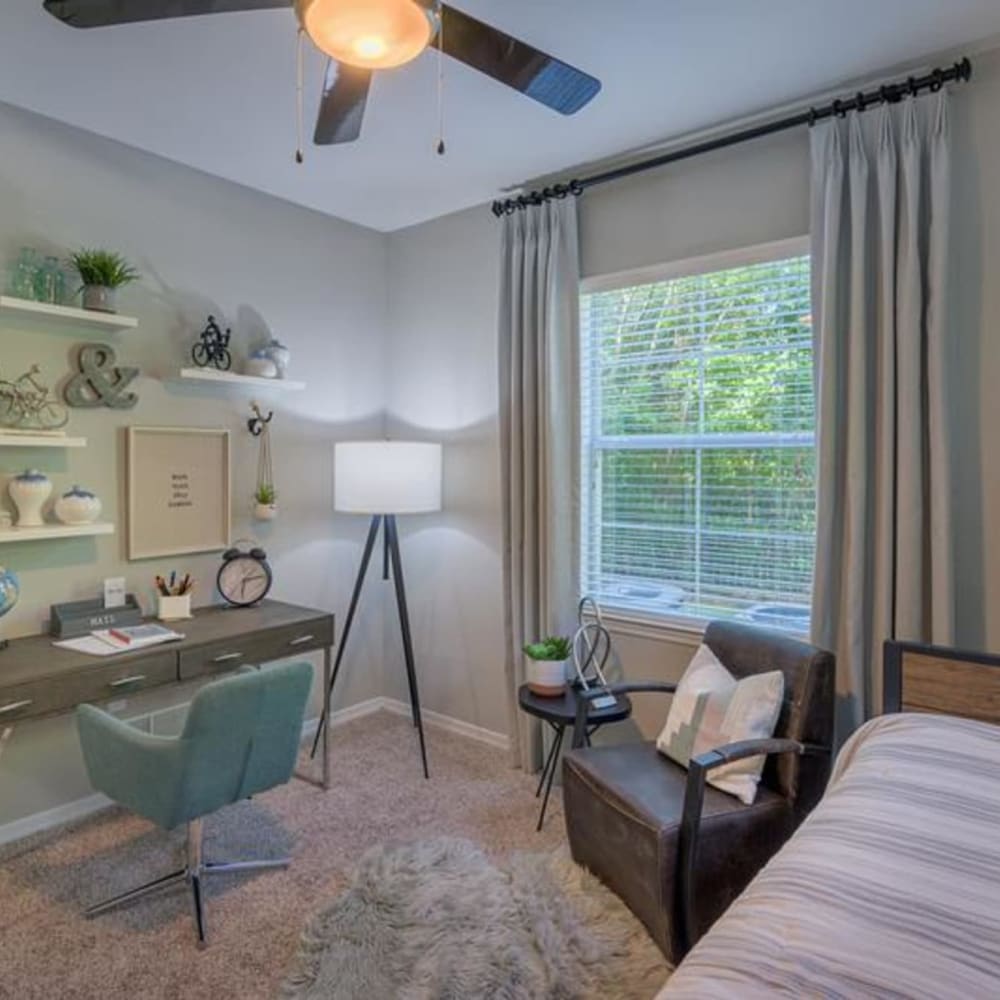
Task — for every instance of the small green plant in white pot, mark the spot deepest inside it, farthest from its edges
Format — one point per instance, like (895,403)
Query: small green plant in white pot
(546,668)
(265,502)
(102,273)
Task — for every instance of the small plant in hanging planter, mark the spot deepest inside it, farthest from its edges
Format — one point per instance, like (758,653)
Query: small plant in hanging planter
(102,273)
(546,671)
(265,502)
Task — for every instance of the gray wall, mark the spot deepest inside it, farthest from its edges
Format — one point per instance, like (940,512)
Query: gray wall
(203,245)
(442,384)
(442,379)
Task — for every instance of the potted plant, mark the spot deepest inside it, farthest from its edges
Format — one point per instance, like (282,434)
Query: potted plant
(547,665)
(102,273)
(266,502)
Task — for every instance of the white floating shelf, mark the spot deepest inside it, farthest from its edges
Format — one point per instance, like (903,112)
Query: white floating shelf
(237,381)
(10,440)
(55,531)
(66,316)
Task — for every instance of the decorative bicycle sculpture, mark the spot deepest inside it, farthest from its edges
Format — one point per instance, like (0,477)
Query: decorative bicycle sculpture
(213,347)
(25,404)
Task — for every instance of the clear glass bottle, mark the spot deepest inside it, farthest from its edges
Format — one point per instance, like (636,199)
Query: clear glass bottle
(51,281)
(22,274)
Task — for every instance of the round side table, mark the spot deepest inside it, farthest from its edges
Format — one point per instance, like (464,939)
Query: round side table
(560,714)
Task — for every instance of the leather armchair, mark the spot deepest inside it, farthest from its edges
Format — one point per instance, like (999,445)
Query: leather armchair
(675,849)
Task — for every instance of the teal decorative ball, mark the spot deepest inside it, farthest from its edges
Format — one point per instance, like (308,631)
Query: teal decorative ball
(10,590)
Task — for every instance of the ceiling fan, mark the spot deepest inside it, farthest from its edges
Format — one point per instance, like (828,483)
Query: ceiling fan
(362,36)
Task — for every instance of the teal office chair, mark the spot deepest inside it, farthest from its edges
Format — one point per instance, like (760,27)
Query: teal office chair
(241,737)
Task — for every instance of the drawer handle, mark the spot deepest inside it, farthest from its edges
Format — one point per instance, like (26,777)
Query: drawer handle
(225,657)
(301,639)
(14,706)
(134,679)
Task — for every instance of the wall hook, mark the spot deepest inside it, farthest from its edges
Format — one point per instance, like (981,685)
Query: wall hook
(258,421)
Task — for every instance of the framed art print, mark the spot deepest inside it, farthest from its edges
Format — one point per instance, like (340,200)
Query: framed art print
(178,491)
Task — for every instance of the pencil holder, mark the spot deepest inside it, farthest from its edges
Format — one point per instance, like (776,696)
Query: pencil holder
(173,608)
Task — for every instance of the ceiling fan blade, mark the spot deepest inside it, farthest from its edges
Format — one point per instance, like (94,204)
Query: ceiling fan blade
(345,93)
(101,13)
(534,73)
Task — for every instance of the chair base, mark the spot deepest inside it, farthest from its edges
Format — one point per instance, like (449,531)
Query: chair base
(193,873)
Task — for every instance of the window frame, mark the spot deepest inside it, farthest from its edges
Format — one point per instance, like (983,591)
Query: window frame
(667,624)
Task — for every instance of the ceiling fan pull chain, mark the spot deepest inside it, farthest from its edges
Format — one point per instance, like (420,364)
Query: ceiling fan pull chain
(440,87)
(298,96)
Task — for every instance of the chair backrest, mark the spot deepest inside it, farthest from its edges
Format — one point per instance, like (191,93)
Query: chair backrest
(242,736)
(807,712)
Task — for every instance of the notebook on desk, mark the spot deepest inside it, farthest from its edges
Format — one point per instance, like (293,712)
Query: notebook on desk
(107,642)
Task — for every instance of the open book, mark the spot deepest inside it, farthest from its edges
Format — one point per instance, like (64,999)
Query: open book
(108,641)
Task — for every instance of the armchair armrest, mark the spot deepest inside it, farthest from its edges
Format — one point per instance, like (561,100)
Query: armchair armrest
(584,698)
(140,771)
(694,799)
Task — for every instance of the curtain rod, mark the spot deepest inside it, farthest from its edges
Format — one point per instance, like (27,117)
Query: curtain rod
(889,93)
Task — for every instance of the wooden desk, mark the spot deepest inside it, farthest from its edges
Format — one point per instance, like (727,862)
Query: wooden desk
(38,679)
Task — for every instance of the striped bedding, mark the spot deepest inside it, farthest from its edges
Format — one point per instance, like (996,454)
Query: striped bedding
(891,888)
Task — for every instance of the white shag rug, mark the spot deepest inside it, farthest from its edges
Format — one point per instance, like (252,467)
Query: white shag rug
(438,920)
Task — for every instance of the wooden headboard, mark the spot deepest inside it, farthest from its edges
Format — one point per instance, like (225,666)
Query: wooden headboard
(921,678)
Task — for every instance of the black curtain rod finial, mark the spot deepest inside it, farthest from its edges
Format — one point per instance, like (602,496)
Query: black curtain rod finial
(888,93)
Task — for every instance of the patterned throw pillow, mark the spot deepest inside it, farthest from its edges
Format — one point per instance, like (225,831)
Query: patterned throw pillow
(711,708)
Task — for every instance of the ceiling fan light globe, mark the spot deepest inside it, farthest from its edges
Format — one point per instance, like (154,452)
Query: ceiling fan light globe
(372,34)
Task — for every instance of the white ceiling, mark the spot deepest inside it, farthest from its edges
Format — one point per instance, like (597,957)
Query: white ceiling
(217,93)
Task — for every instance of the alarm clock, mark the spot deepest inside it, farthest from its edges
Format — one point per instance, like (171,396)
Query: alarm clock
(244,576)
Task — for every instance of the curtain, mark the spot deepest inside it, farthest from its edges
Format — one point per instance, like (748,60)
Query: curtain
(539,375)
(880,243)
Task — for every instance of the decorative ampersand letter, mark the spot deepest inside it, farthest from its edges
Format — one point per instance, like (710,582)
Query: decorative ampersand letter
(99,382)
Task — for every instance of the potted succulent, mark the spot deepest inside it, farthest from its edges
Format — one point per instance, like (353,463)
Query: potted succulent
(102,273)
(265,502)
(547,665)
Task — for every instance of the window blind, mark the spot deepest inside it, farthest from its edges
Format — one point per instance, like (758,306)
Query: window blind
(698,445)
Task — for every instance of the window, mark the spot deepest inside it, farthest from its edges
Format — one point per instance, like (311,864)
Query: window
(698,439)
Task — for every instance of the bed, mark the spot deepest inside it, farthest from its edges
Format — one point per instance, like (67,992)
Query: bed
(891,887)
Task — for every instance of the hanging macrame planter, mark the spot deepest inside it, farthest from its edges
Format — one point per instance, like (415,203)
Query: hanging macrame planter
(265,496)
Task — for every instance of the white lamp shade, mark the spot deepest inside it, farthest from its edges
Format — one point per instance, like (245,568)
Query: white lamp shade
(386,477)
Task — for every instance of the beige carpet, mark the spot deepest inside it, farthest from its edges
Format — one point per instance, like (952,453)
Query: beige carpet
(48,950)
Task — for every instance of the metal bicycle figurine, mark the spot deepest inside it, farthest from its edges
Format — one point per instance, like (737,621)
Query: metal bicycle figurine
(213,347)
(25,404)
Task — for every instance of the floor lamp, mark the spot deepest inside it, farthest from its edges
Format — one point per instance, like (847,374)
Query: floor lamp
(383,479)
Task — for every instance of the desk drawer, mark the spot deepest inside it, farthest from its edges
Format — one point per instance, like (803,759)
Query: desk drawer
(255,648)
(59,693)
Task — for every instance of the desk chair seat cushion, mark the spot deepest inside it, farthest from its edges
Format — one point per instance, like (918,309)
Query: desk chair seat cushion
(625,804)
(241,737)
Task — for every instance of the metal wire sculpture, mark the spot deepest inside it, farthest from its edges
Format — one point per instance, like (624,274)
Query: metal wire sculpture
(25,404)
(591,651)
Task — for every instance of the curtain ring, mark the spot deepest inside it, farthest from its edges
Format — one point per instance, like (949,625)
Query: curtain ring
(575,188)
(911,84)
(859,101)
(938,80)
(838,108)
(813,116)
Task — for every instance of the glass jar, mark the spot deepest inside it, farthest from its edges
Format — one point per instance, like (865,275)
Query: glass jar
(22,275)
(51,281)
